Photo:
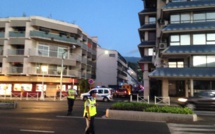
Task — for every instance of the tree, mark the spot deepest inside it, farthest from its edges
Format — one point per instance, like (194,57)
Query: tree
(84,85)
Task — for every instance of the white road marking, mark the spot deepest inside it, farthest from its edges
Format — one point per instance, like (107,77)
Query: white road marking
(37,131)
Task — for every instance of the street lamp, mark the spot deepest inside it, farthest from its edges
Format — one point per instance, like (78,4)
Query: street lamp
(61,72)
(44,69)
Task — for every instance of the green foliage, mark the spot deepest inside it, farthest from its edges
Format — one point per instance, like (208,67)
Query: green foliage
(84,85)
(7,101)
(136,106)
(169,109)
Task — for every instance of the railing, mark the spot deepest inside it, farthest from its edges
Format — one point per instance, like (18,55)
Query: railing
(140,98)
(32,96)
(16,34)
(15,96)
(50,36)
(15,70)
(1,34)
(162,100)
(15,52)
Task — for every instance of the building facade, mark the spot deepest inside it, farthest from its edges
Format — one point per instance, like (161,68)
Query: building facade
(177,47)
(111,68)
(40,53)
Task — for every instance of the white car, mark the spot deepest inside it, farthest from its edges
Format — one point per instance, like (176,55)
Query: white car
(103,94)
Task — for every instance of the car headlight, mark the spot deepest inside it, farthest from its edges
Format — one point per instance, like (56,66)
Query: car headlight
(182,99)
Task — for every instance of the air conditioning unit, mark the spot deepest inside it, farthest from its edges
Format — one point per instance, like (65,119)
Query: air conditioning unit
(162,45)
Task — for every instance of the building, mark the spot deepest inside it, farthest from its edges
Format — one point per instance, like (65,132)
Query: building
(41,54)
(177,47)
(111,68)
(132,77)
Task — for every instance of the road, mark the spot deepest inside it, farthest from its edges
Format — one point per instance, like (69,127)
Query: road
(44,117)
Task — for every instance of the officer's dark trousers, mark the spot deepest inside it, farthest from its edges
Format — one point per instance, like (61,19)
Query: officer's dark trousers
(90,129)
(70,105)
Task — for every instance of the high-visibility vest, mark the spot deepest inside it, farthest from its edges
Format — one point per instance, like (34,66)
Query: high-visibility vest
(92,107)
(71,94)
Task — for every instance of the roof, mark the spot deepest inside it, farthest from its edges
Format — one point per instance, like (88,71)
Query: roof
(189,4)
(190,49)
(146,59)
(189,26)
(148,26)
(183,72)
(147,43)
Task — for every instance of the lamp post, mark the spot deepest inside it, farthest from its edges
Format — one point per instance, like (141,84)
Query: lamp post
(44,69)
(61,73)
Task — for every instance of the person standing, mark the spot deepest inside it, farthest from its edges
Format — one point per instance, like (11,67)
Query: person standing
(70,99)
(90,112)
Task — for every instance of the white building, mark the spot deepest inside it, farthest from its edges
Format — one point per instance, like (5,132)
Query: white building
(110,68)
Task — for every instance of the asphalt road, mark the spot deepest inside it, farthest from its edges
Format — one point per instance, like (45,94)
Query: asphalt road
(37,117)
(45,117)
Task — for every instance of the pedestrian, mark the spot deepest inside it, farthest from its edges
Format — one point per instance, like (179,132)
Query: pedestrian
(90,112)
(70,99)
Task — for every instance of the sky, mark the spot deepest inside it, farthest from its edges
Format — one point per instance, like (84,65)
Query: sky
(114,22)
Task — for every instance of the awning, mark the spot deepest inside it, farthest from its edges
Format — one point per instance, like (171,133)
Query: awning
(146,59)
(190,49)
(184,27)
(189,4)
(147,43)
(183,73)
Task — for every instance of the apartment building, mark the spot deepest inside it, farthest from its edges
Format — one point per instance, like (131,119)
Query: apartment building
(177,47)
(111,68)
(41,53)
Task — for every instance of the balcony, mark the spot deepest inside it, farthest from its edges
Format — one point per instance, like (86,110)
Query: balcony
(146,59)
(15,34)
(15,70)
(1,34)
(15,52)
(53,37)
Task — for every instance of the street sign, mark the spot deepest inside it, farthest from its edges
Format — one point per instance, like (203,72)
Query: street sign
(90,81)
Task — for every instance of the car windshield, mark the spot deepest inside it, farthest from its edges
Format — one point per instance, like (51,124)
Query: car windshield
(205,94)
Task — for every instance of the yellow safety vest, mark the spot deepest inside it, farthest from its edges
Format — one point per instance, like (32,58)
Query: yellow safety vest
(71,94)
(92,107)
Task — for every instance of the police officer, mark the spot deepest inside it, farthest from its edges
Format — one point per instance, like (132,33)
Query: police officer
(90,112)
(70,99)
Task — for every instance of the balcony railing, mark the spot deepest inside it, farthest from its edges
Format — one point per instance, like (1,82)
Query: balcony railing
(15,52)
(16,34)
(54,54)
(50,36)
(1,34)
(15,70)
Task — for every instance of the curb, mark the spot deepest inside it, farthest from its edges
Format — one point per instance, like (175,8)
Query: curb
(150,116)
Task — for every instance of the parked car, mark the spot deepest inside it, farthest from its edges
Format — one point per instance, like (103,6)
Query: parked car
(121,92)
(200,100)
(103,94)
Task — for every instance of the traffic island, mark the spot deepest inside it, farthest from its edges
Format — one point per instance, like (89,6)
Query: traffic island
(150,116)
(7,104)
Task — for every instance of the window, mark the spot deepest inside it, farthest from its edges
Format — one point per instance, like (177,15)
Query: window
(185,18)
(175,18)
(152,20)
(185,39)
(61,52)
(152,36)
(210,38)
(199,39)
(210,16)
(199,61)
(43,50)
(200,17)
(112,55)
(106,91)
(176,64)
(176,40)
(100,91)
(204,61)
(150,52)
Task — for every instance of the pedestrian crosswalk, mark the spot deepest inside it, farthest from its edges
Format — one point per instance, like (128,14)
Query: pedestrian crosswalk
(191,129)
